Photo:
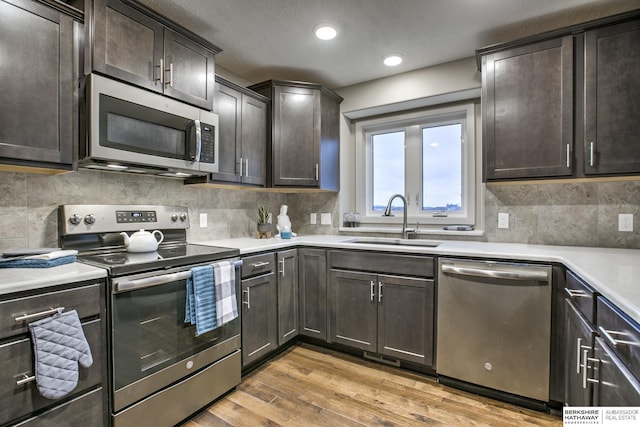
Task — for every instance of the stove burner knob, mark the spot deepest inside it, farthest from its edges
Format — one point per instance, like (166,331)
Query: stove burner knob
(174,217)
(75,219)
(183,216)
(90,219)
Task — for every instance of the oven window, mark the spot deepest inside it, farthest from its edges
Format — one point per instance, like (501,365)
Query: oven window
(139,129)
(149,333)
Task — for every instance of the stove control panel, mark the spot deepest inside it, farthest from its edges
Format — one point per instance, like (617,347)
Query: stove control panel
(79,219)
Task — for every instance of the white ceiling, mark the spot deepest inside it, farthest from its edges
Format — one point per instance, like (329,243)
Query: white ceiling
(273,39)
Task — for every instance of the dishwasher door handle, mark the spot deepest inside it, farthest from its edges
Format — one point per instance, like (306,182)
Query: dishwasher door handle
(517,273)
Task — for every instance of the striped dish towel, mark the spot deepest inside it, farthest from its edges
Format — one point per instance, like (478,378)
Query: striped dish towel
(225,285)
(201,300)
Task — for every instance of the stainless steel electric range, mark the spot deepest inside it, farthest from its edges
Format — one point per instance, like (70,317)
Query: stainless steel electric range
(159,371)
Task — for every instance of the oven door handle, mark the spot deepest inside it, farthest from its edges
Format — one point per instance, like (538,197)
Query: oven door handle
(132,285)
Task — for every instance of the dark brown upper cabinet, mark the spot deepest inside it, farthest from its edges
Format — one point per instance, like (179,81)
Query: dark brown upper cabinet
(132,43)
(563,103)
(38,112)
(303,135)
(242,127)
(527,96)
(612,99)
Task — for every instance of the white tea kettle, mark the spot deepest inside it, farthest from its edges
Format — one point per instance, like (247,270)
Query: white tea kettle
(142,241)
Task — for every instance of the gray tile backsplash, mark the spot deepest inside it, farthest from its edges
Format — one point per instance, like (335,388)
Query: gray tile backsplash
(583,213)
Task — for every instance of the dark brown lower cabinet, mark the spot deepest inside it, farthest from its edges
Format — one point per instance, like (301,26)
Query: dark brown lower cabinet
(383,314)
(259,317)
(579,335)
(287,295)
(312,292)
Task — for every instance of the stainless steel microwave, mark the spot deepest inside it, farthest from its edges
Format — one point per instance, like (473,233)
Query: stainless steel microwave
(133,130)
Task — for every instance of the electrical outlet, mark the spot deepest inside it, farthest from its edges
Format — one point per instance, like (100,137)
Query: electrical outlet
(325,219)
(503,220)
(313,218)
(625,222)
(203,220)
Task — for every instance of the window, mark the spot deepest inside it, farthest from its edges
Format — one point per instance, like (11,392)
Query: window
(428,157)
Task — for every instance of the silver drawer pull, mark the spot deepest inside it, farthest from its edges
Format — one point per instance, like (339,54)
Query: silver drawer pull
(25,379)
(260,264)
(613,341)
(40,314)
(573,293)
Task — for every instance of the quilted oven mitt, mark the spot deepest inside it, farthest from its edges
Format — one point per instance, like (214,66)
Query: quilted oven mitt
(58,345)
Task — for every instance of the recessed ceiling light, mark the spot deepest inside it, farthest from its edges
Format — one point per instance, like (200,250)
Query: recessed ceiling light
(393,60)
(325,32)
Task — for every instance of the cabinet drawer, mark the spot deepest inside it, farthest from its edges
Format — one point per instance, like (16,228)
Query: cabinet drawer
(16,361)
(621,333)
(405,265)
(258,264)
(86,410)
(582,295)
(85,300)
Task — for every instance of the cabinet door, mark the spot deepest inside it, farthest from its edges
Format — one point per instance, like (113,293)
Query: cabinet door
(254,140)
(296,136)
(354,309)
(616,385)
(287,295)
(528,111)
(406,318)
(37,82)
(578,347)
(127,44)
(228,106)
(189,70)
(312,288)
(612,99)
(259,317)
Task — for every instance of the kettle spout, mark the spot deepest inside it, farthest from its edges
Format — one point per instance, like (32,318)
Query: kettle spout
(126,238)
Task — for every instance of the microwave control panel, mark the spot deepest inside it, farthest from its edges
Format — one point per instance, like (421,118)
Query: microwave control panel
(207,134)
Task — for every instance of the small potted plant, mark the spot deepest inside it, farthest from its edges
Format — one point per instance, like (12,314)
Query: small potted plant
(264,228)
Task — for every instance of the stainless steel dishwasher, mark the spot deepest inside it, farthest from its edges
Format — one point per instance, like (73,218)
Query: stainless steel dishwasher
(494,326)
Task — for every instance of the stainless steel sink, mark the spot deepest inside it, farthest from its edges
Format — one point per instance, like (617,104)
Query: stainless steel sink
(393,242)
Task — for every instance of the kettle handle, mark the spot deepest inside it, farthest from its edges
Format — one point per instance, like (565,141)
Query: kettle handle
(161,235)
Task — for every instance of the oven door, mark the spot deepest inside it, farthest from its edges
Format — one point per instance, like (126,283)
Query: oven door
(151,345)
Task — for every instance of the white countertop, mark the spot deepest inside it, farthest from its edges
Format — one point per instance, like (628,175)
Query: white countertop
(615,273)
(24,279)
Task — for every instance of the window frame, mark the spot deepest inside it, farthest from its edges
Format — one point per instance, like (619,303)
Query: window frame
(428,117)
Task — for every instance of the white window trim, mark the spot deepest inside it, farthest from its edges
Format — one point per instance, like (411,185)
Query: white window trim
(471,179)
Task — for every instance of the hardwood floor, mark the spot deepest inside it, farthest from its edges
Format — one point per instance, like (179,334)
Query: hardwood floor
(311,386)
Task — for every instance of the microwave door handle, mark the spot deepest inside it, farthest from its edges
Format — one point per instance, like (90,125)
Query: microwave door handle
(194,154)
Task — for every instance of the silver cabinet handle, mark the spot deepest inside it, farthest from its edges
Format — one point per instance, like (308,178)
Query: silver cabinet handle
(281,262)
(259,264)
(240,166)
(160,78)
(246,167)
(577,293)
(373,290)
(379,291)
(171,74)
(515,274)
(248,301)
(613,341)
(591,152)
(39,314)
(317,172)
(25,379)
(578,354)
(568,156)
(587,359)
